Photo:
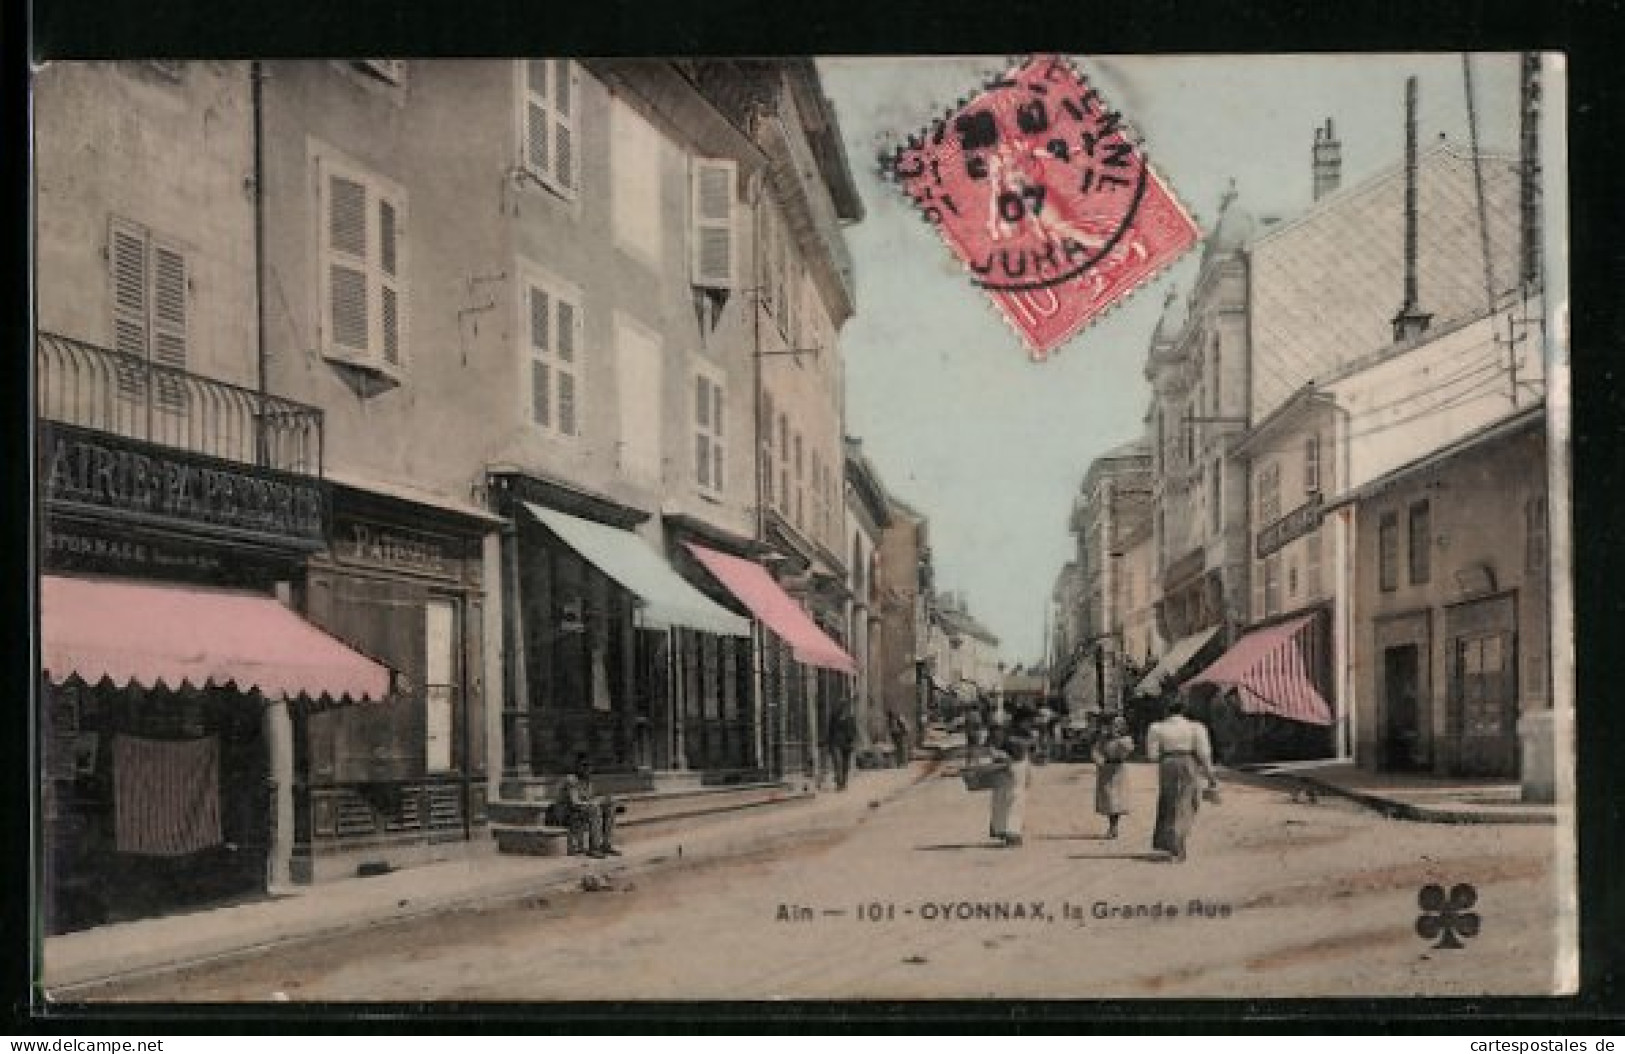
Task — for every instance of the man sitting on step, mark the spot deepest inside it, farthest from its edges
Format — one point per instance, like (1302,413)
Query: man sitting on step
(590,817)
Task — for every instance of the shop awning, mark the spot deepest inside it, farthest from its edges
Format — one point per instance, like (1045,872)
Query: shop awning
(171,635)
(755,588)
(1267,670)
(1181,652)
(667,600)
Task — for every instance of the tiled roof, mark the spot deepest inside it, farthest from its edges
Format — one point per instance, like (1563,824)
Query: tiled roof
(1326,286)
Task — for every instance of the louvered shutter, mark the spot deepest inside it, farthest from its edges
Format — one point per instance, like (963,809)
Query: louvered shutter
(169,321)
(538,120)
(568,333)
(347,265)
(717,477)
(389,281)
(540,343)
(702,431)
(564,126)
(712,185)
(127,258)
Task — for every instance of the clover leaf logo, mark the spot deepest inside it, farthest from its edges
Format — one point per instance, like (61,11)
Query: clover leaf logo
(1446,916)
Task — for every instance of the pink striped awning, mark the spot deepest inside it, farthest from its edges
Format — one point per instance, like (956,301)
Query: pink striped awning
(756,589)
(150,634)
(1267,670)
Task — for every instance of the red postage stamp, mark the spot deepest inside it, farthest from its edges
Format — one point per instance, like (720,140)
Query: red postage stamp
(1037,188)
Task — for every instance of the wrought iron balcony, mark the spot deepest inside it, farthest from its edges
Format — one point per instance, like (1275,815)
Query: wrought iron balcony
(121,394)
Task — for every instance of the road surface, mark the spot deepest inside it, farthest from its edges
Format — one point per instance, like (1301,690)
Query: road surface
(1278,899)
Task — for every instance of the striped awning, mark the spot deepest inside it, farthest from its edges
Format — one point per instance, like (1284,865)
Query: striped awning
(1268,672)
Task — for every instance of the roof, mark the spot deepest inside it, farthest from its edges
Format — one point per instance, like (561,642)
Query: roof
(1325,286)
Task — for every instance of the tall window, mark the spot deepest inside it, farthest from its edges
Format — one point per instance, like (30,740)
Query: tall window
(785,503)
(1215,500)
(1272,584)
(1421,542)
(1269,493)
(708,417)
(1311,549)
(1311,464)
(801,485)
(149,283)
(711,241)
(1388,552)
(548,130)
(362,263)
(441,644)
(1218,383)
(766,439)
(1534,534)
(554,333)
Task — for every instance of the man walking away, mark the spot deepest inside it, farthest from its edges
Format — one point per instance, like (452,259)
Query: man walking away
(843,734)
(899,738)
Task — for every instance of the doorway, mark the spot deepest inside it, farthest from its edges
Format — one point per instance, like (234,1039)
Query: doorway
(1484,705)
(1404,741)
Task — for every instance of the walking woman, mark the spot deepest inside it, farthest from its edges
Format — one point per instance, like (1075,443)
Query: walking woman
(1111,752)
(1184,755)
(1015,747)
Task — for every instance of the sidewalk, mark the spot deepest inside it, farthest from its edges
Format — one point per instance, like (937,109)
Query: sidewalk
(77,961)
(1408,796)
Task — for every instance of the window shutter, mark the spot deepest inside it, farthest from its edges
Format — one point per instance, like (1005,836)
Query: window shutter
(128,257)
(389,281)
(716,409)
(702,459)
(540,387)
(569,333)
(538,122)
(347,264)
(712,186)
(564,128)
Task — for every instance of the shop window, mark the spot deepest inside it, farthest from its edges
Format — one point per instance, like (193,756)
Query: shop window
(1421,542)
(440,682)
(1388,552)
(549,123)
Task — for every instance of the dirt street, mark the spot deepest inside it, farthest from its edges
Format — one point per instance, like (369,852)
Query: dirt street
(1278,899)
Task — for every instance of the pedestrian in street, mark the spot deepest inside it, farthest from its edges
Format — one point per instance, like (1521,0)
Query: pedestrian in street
(1184,755)
(842,737)
(1012,746)
(974,735)
(899,737)
(587,813)
(1111,753)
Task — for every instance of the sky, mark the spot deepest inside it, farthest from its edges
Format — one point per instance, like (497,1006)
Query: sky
(956,419)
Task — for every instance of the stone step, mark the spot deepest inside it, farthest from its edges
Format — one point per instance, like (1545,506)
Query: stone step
(531,841)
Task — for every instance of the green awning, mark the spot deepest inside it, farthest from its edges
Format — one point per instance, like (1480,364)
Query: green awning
(665,598)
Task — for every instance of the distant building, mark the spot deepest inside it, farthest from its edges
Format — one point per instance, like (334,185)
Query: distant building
(904,584)
(1114,503)
(868,515)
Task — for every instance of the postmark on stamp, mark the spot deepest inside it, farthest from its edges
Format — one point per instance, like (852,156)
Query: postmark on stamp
(1037,188)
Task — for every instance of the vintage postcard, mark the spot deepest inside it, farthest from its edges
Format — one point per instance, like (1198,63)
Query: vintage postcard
(1029,527)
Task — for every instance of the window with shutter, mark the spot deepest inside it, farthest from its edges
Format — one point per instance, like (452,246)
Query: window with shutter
(549,122)
(553,334)
(1311,464)
(712,238)
(149,286)
(362,273)
(708,429)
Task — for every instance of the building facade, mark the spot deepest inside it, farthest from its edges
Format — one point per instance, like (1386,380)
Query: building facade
(905,584)
(1115,501)
(867,516)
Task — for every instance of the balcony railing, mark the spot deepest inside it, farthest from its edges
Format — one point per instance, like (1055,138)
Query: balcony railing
(111,391)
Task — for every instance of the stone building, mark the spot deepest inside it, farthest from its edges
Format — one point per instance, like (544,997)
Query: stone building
(867,514)
(1113,503)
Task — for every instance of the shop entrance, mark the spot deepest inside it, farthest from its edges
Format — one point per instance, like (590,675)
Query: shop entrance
(1405,743)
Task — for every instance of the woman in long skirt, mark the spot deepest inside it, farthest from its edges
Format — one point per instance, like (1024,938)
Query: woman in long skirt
(1009,805)
(1111,752)
(1184,755)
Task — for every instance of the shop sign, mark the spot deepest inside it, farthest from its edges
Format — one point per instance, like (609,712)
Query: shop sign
(90,549)
(128,478)
(393,548)
(1295,524)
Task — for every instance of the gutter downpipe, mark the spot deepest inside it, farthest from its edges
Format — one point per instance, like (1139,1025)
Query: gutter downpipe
(1343,544)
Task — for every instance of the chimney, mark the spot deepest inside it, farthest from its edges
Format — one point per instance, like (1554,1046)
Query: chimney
(1328,161)
(1410,321)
